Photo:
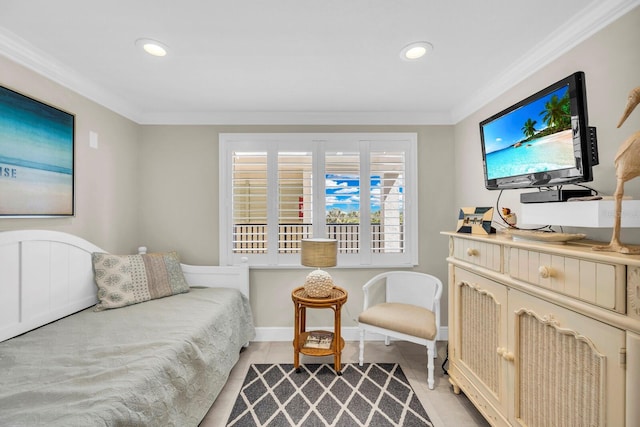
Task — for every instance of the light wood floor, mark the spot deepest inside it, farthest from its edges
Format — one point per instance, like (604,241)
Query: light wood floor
(444,408)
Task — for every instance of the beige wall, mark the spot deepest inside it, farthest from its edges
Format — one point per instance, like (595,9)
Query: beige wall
(179,208)
(611,62)
(106,179)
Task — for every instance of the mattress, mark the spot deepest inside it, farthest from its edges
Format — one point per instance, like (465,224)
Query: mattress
(161,362)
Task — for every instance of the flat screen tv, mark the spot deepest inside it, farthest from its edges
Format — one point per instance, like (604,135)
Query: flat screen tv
(542,141)
(36,158)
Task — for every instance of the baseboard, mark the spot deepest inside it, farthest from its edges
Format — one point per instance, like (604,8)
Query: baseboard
(351,333)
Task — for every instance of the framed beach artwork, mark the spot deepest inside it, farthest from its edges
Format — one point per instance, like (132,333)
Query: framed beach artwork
(36,158)
(475,220)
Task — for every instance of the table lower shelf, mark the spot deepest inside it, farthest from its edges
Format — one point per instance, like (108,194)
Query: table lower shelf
(312,351)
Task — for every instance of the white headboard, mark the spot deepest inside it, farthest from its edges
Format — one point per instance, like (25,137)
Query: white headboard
(46,275)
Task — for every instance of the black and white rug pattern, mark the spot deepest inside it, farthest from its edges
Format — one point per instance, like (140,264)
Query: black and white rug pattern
(375,394)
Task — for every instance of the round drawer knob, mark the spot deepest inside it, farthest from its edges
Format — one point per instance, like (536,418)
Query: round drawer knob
(505,354)
(545,272)
(472,252)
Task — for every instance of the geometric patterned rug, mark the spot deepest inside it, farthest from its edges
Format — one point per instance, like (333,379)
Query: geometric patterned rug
(375,394)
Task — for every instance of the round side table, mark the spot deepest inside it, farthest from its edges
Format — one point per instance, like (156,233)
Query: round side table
(302,301)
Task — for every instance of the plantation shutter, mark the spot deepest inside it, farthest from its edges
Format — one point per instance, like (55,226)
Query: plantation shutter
(387,201)
(277,189)
(342,199)
(295,198)
(249,194)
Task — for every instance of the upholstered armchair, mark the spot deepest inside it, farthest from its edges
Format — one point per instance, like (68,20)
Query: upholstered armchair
(410,311)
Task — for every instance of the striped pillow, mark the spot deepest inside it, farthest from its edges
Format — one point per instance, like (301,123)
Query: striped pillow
(130,279)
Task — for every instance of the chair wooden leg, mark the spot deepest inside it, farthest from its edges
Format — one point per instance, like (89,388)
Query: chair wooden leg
(430,367)
(361,358)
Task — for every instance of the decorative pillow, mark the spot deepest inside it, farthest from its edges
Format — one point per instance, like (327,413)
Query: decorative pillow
(130,279)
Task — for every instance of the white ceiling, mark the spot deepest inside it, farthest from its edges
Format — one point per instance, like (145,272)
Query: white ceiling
(295,61)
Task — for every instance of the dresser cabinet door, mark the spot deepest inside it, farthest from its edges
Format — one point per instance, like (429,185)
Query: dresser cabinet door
(480,322)
(567,368)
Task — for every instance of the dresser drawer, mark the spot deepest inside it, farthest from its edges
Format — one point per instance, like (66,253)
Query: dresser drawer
(598,283)
(484,254)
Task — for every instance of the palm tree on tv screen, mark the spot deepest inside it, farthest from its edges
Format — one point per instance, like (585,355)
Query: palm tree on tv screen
(557,112)
(529,128)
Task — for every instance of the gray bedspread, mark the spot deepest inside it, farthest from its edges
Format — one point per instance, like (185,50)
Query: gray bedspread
(159,363)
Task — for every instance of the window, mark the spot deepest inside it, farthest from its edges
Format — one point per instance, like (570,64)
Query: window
(360,189)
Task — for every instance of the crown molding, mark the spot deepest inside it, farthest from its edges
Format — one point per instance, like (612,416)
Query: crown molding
(578,29)
(24,53)
(406,118)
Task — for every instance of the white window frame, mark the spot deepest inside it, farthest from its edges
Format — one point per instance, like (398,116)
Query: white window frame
(318,144)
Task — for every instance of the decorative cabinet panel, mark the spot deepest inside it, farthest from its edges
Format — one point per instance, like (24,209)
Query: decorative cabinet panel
(480,318)
(565,365)
(535,351)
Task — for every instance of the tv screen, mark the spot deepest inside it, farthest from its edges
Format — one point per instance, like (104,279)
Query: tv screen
(541,141)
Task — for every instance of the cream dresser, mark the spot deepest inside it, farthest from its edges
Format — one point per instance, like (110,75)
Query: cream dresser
(544,334)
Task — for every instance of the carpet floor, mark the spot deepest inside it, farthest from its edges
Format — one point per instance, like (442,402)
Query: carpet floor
(375,394)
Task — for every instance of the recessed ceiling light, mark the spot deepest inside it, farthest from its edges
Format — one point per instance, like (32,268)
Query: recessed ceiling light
(152,47)
(415,50)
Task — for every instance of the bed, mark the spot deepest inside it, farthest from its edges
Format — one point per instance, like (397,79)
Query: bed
(158,362)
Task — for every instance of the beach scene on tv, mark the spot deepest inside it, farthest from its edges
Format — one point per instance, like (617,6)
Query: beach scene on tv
(36,157)
(536,137)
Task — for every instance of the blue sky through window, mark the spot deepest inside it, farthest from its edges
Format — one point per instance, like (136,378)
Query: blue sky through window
(343,192)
